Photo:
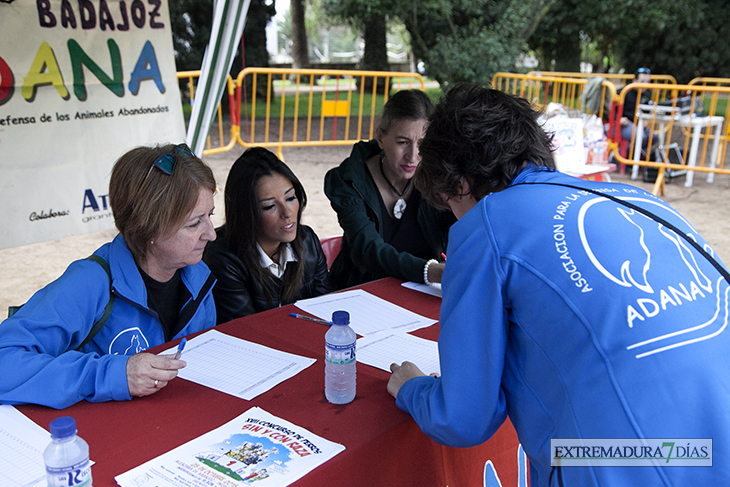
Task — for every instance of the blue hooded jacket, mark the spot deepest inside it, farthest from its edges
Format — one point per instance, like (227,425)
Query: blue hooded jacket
(579,318)
(37,344)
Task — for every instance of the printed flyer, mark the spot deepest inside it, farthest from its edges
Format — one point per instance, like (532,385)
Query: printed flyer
(254,447)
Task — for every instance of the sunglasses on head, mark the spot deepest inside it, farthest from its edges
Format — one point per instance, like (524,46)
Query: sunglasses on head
(643,71)
(166,162)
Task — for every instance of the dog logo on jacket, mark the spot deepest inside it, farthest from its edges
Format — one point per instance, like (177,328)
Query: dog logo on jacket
(678,281)
(129,342)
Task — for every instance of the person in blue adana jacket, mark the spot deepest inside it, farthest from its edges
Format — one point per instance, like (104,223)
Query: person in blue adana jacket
(162,200)
(578,317)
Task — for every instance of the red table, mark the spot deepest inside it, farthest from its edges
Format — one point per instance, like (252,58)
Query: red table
(384,446)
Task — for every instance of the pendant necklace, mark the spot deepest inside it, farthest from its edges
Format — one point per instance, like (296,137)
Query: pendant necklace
(400,206)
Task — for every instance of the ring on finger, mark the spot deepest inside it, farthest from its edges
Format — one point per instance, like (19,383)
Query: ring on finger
(156,382)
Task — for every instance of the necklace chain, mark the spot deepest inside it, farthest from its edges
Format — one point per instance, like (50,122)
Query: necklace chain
(408,183)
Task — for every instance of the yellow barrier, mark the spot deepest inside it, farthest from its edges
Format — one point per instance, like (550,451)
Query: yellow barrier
(703,137)
(624,79)
(307,110)
(542,90)
(311,101)
(701,134)
(710,82)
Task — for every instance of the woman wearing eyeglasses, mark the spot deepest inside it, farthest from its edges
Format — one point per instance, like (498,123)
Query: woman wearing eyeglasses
(388,230)
(146,287)
(263,256)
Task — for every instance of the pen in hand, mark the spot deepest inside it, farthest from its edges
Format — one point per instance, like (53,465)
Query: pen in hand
(180,348)
(309,318)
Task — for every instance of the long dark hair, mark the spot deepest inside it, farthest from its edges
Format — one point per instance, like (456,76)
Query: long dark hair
(483,135)
(243,217)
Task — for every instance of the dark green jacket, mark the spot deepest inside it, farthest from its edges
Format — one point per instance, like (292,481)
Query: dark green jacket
(364,254)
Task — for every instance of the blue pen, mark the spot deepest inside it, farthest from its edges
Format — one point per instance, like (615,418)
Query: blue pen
(309,318)
(180,348)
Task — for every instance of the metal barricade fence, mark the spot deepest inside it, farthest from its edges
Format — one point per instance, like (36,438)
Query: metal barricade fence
(710,82)
(690,117)
(542,90)
(314,107)
(277,107)
(719,104)
(621,79)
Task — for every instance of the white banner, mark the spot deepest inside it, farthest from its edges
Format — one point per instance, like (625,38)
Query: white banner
(81,82)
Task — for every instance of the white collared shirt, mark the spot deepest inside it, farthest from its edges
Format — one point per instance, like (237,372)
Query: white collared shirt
(277,269)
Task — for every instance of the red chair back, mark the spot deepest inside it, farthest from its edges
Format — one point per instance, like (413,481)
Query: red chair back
(331,247)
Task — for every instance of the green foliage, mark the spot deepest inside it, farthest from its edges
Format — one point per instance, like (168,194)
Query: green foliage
(682,37)
(473,57)
(691,44)
(191,22)
(470,40)
(355,12)
(458,40)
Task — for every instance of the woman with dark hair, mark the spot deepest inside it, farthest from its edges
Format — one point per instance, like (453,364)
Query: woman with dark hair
(84,335)
(264,257)
(388,230)
(591,313)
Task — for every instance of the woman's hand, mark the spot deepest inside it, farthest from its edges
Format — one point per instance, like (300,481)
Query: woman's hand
(148,373)
(401,374)
(435,272)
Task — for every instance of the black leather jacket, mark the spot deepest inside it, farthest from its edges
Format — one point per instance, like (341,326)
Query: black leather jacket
(238,294)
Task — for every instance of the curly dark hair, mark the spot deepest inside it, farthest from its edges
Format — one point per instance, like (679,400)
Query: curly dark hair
(483,135)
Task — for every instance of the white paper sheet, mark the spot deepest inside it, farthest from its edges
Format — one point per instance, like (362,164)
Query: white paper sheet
(432,289)
(256,448)
(21,450)
(368,314)
(237,367)
(384,348)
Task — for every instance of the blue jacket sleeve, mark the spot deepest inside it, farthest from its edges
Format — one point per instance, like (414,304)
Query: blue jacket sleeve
(37,345)
(466,405)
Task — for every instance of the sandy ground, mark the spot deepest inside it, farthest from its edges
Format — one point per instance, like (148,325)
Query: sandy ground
(28,268)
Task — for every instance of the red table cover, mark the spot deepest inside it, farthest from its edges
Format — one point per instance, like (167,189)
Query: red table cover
(384,446)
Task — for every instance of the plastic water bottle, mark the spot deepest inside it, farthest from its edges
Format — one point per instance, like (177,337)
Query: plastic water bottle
(340,366)
(67,457)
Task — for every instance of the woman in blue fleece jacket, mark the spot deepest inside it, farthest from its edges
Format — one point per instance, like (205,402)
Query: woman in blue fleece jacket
(575,315)
(162,200)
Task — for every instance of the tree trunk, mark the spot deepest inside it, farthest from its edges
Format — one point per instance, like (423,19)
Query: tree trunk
(300,48)
(375,56)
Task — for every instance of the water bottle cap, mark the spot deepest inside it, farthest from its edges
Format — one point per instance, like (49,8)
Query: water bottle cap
(63,427)
(340,318)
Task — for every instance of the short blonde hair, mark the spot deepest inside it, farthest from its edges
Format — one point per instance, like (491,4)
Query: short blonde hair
(149,204)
